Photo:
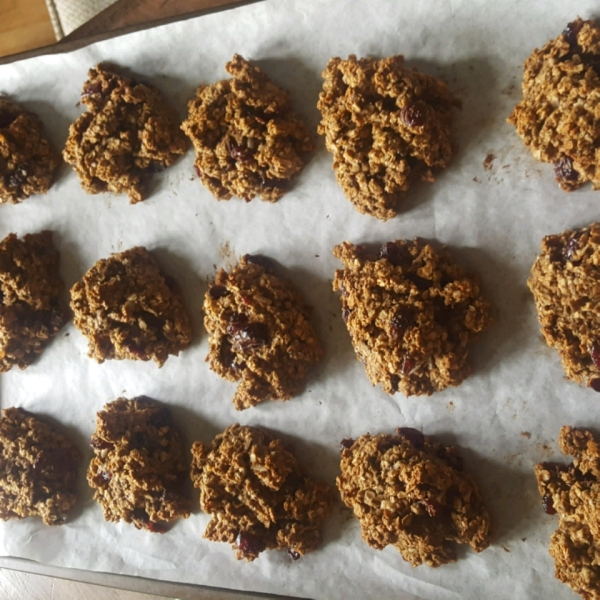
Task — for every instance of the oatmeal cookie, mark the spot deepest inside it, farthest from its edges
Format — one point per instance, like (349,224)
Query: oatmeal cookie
(128,133)
(31,313)
(564,281)
(573,491)
(38,469)
(258,494)
(411,313)
(259,333)
(139,468)
(129,309)
(28,161)
(248,141)
(557,119)
(411,492)
(387,126)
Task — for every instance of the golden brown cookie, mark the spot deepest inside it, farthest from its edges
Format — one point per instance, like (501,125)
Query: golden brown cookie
(258,494)
(31,313)
(248,141)
(38,469)
(564,281)
(557,119)
(28,161)
(411,492)
(387,126)
(573,491)
(260,333)
(129,309)
(139,467)
(411,313)
(128,134)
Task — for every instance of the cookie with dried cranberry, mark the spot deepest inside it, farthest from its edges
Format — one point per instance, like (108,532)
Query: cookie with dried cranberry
(260,333)
(31,311)
(139,467)
(128,134)
(28,160)
(258,494)
(411,492)
(557,119)
(129,309)
(564,281)
(248,141)
(411,312)
(38,469)
(387,126)
(573,492)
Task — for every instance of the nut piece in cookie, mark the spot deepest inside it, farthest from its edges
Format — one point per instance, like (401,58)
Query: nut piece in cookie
(259,332)
(38,469)
(139,467)
(28,160)
(387,126)
(564,281)
(557,119)
(258,494)
(423,506)
(573,491)
(31,313)
(129,309)
(411,312)
(248,141)
(128,134)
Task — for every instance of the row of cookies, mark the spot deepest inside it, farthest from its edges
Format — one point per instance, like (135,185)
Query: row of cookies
(406,489)
(385,124)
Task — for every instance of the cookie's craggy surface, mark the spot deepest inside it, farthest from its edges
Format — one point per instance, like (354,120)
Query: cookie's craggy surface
(564,281)
(558,116)
(128,133)
(411,492)
(30,309)
(128,309)
(38,469)
(139,467)
(28,160)
(411,313)
(258,494)
(259,332)
(573,491)
(248,141)
(387,126)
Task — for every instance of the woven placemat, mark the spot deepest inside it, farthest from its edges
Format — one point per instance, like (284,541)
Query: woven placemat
(68,15)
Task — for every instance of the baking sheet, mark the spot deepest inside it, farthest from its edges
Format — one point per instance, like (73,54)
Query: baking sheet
(506,416)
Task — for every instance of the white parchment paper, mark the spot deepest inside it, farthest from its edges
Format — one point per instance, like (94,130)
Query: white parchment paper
(506,416)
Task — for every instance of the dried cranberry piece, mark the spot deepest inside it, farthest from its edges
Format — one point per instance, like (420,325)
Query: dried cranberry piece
(218,291)
(293,554)
(395,382)
(570,34)
(399,256)
(249,543)
(248,336)
(414,115)
(346,313)
(139,514)
(563,169)
(595,354)
(408,364)
(414,436)
(263,261)
(548,505)
(389,442)
(435,509)
(226,354)
(6,118)
(347,443)
(90,90)
(238,152)
(595,384)
(106,475)
(400,322)
(100,444)
(274,183)
(198,171)
(570,247)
